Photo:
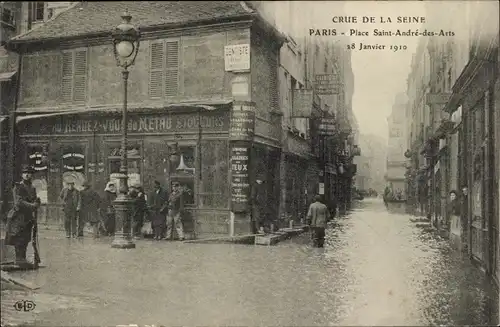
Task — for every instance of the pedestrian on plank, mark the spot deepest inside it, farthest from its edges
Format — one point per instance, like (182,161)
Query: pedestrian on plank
(317,217)
(22,217)
(70,198)
(158,206)
(175,210)
(109,209)
(89,212)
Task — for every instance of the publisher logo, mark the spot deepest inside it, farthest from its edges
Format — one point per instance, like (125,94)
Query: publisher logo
(24,305)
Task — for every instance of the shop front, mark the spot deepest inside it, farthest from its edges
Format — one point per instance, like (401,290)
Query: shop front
(86,146)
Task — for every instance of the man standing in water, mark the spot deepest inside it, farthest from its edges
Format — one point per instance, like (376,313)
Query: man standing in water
(22,217)
(317,216)
(70,198)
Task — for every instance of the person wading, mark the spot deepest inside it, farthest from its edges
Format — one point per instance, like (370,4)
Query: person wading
(158,204)
(22,217)
(70,198)
(90,202)
(317,216)
(176,207)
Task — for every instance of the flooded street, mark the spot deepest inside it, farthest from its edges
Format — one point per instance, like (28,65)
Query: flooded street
(376,269)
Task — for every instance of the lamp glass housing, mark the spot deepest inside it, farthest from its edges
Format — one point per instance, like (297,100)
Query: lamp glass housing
(125,49)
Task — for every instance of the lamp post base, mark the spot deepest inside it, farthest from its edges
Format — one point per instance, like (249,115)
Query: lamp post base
(123,239)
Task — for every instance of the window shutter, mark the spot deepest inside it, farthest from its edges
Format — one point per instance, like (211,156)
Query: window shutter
(67,76)
(80,76)
(156,70)
(172,69)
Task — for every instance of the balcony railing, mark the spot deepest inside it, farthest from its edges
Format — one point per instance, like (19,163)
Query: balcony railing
(7,17)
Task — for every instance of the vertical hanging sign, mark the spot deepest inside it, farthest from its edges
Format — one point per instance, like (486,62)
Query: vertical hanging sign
(240,182)
(241,133)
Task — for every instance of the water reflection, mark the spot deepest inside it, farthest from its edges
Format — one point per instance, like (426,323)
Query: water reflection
(376,269)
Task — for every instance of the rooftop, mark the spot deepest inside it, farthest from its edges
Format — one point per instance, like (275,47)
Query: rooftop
(99,17)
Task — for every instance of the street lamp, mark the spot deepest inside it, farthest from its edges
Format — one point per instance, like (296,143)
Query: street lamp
(125,48)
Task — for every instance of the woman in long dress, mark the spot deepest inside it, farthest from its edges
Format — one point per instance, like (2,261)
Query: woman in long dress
(109,209)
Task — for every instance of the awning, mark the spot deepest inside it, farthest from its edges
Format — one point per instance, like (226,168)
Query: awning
(206,106)
(5,77)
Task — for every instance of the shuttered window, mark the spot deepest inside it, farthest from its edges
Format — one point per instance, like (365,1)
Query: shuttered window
(74,76)
(80,76)
(156,70)
(164,69)
(67,76)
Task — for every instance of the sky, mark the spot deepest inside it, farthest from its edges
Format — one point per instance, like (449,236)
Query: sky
(381,74)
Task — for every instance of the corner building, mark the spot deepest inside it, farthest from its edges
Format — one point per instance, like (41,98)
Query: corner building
(180,91)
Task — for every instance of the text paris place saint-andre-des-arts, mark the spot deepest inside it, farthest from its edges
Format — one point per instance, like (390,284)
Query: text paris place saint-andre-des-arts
(378,32)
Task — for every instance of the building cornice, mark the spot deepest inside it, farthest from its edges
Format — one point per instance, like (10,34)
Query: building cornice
(147,33)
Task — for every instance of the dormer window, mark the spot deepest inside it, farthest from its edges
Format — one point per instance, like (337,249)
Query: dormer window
(37,11)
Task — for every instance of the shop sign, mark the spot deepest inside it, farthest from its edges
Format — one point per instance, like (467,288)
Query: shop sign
(240,183)
(242,125)
(302,104)
(327,126)
(73,161)
(39,161)
(136,124)
(326,84)
(237,57)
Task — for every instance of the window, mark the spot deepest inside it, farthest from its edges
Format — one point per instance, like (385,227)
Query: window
(164,69)
(74,76)
(134,160)
(215,187)
(37,11)
(7,16)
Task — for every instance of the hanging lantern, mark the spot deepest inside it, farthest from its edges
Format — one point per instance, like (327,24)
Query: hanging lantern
(408,153)
(174,152)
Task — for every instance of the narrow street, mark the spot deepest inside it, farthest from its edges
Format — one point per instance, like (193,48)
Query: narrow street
(376,269)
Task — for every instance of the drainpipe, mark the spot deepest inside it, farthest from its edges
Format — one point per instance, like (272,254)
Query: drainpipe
(11,161)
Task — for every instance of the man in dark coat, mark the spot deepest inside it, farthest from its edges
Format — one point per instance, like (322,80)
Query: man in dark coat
(90,204)
(22,217)
(140,209)
(70,198)
(158,205)
(317,217)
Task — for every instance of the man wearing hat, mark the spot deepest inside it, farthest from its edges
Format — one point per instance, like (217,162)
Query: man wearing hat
(70,198)
(21,218)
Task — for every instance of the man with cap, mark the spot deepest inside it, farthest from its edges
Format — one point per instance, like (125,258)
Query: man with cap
(70,198)
(22,217)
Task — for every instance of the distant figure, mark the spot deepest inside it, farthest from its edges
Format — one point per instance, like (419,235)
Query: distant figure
(158,205)
(317,216)
(89,212)
(70,198)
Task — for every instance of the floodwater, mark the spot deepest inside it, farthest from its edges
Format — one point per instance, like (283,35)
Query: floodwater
(376,269)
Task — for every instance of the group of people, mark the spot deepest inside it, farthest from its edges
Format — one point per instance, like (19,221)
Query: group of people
(164,210)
